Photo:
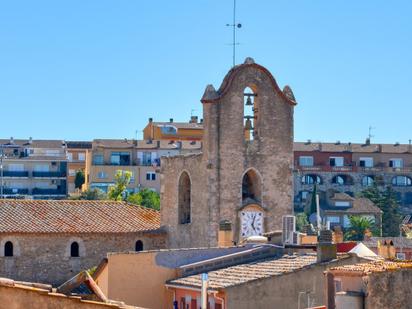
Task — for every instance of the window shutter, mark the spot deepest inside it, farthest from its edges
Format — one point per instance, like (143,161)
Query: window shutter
(390,163)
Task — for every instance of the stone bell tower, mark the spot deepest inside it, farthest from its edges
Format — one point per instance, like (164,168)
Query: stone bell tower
(243,176)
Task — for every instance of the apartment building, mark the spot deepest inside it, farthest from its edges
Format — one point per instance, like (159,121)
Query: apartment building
(33,169)
(141,158)
(177,131)
(351,168)
(77,152)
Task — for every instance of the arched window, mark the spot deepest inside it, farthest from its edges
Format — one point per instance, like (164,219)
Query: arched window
(139,245)
(251,185)
(250,114)
(184,196)
(8,248)
(74,249)
(367,181)
(342,180)
(401,181)
(311,179)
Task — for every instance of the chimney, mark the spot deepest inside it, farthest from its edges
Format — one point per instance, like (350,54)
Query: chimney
(326,249)
(171,120)
(386,249)
(368,141)
(11,140)
(193,119)
(410,146)
(337,235)
(225,236)
(150,120)
(30,140)
(201,120)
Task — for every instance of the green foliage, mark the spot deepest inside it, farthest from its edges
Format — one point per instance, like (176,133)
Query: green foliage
(79,179)
(387,201)
(92,270)
(117,192)
(146,198)
(91,194)
(301,221)
(358,227)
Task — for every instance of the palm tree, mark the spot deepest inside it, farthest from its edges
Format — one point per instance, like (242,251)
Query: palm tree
(358,226)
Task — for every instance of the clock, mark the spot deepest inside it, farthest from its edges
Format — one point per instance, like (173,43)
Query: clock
(251,223)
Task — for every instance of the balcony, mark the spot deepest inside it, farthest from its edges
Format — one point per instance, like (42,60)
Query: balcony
(15,174)
(15,191)
(38,191)
(49,174)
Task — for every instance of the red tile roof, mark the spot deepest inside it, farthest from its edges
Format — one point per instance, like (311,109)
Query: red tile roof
(67,216)
(372,267)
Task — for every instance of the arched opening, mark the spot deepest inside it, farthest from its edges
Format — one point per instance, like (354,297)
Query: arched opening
(401,181)
(342,180)
(184,196)
(250,114)
(8,248)
(251,186)
(311,179)
(74,249)
(139,245)
(367,181)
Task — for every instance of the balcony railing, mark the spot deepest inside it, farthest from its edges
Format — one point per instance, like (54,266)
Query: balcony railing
(49,174)
(15,191)
(38,191)
(15,174)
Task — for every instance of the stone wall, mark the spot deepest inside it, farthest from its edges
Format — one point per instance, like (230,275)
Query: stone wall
(46,258)
(216,174)
(390,289)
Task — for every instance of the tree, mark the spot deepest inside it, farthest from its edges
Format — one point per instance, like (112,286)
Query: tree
(92,194)
(146,197)
(358,227)
(301,221)
(312,207)
(387,201)
(79,179)
(117,192)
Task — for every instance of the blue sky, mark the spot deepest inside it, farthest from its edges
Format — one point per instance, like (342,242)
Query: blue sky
(98,69)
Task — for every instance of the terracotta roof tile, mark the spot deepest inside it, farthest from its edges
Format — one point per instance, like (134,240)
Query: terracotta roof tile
(67,216)
(240,274)
(372,267)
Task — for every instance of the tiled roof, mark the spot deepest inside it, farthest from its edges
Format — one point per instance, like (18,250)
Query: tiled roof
(397,242)
(114,143)
(341,196)
(79,144)
(372,267)
(240,274)
(34,143)
(73,216)
(351,147)
(360,205)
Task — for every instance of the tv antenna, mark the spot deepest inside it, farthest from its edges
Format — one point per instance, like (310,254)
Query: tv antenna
(370,132)
(234,26)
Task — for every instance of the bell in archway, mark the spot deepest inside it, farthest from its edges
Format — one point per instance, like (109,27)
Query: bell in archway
(249,101)
(248,124)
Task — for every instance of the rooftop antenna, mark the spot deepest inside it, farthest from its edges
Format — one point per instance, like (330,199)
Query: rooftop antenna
(234,25)
(192,111)
(370,132)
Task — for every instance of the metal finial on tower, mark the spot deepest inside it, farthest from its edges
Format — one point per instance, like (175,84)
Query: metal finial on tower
(234,25)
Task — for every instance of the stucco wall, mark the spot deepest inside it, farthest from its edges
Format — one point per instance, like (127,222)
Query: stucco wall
(283,291)
(46,258)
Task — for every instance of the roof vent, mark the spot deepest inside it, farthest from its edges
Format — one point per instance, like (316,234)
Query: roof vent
(171,120)
(309,141)
(150,120)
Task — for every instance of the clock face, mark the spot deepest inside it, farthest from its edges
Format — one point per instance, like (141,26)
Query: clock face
(252,223)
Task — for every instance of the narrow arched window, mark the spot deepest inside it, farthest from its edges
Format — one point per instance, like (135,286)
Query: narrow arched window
(139,245)
(251,186)
(250,114)
(8,248)
(184,196)
(74,249)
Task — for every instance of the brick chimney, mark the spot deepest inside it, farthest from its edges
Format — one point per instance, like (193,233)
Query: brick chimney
(386,249)
(193,119)
(326,249)
(225,237)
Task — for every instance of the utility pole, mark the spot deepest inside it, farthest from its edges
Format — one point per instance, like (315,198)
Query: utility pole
(234,26)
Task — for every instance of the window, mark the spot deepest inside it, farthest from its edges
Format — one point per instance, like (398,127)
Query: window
(120,158)
(41,168)
(147,158)
(336,161)
(333,219)
(70,156)
(250,114)
(400,256)
(304,195)
(396,163)
(139,245)
(251,185)
(338,285)
(151,176)
(8,248)
(74,249)
(101,175)
(401,181)
(72,172)
(342,180)
(98,159)
(81,156)
(311,179)
(366,162)
(305,161)
(16,167)
(342,204)
(168,129)
(367,181)
(184,199)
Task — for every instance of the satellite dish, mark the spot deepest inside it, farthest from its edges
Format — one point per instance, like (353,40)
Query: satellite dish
(313,219)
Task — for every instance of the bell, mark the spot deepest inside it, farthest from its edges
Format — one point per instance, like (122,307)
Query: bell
(249,101)
(248,125)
